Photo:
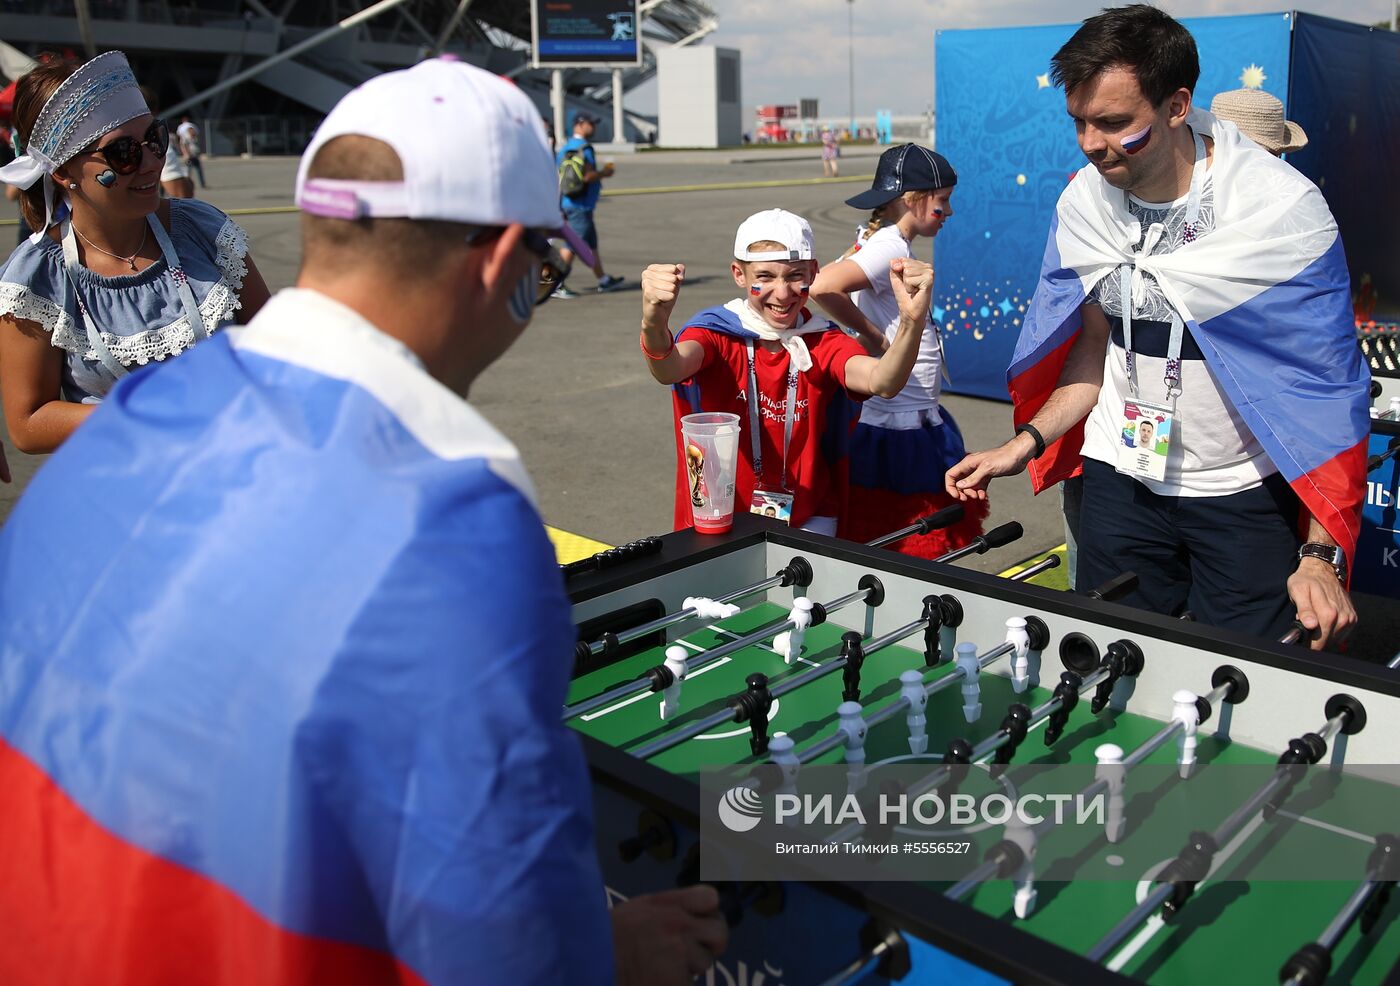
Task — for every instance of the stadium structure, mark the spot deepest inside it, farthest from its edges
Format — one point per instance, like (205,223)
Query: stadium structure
(260,74)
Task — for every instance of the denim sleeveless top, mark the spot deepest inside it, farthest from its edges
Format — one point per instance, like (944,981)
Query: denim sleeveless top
(139,316)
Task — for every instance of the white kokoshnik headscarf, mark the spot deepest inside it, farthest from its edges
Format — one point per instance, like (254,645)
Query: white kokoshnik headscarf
(96,99)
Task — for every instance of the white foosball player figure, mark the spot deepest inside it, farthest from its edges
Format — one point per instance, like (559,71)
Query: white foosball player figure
(789,643)
(1023,835)
(1112,772)
(911,689)
(851,724)
(1185,711)
(971,670)
(780,752)
(1020,658)
(671,694)
(707,609)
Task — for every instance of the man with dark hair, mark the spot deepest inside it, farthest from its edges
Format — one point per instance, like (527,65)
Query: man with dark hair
(1192,278)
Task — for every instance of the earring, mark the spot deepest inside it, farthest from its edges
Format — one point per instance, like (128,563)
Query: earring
(107,179)
(72,184)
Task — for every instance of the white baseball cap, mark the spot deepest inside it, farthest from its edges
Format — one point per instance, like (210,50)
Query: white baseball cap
(779,226)
(472,146)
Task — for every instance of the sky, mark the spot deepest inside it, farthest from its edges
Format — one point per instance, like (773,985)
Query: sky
(795,49)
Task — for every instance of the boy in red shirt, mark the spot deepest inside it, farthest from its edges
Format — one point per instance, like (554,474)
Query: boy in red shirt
(805,375)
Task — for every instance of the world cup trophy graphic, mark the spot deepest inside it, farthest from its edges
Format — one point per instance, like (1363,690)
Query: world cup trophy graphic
(695,465)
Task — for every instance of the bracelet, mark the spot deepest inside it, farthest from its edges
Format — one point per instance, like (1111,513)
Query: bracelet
(1036,436)
(652,356)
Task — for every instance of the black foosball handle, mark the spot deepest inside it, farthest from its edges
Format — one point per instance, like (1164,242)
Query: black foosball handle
(883,953)
(1376,461)
(1115,588)
(937,520)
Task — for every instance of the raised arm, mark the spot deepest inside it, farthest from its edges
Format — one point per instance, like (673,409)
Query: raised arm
(1074,396)
(831,290)
(912,281)
(669,361)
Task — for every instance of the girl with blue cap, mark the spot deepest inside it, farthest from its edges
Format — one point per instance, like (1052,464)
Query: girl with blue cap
(903,444)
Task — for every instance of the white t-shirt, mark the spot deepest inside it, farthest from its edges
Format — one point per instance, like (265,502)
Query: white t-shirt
(878,304)
(189,136)
(1213,452)
(175,167)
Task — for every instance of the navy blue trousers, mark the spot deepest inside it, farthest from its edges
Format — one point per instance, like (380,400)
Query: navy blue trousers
(1226,559)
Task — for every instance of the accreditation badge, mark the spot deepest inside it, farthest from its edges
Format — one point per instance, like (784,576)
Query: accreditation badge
(1145,437)
(767,503)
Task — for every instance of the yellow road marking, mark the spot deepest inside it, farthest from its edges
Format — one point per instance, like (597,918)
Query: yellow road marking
(725,186)
(573,547)
(1022,566)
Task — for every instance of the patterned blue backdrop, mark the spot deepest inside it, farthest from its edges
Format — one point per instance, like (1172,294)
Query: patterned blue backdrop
(1004,129)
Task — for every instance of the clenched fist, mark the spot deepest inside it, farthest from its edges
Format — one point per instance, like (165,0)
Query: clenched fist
(661,286)
(912,281)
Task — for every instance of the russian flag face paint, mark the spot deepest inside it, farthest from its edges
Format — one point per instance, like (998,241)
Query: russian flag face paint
(755,290)
(806,289)
(1136,142)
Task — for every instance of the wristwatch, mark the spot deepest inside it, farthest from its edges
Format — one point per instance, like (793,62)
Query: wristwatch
(1330,553)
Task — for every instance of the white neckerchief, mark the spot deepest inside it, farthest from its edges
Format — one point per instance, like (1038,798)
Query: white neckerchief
(789,338)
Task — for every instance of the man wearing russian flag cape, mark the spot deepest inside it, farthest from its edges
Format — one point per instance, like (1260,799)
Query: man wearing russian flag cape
(1196,284)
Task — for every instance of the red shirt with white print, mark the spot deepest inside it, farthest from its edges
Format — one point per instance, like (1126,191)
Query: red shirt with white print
(822,423)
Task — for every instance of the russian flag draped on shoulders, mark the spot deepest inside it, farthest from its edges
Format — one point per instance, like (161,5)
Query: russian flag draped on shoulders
(831,413)
(283,646)
(1267,298)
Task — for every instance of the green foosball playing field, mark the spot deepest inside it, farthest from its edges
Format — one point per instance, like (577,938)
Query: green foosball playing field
(1231,931)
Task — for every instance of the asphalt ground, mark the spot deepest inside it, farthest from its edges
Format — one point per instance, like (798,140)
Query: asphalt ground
(574,394)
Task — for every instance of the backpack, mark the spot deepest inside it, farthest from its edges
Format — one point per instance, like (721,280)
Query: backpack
(571,181)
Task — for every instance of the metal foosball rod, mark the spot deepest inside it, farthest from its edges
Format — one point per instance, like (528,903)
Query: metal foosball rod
(1376,461)
(853,655)
(1192,865)
(1009,857)
(1310,965)
(797,572)
(885,954)
(1044,565)
(995,538)
(938,520)
(869,589)
(1123,658)
(1033,635)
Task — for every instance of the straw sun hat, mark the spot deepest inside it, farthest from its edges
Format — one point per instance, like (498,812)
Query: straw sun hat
(1260,118)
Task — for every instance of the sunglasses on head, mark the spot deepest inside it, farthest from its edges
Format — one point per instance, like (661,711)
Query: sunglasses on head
(123,155)
(553,268)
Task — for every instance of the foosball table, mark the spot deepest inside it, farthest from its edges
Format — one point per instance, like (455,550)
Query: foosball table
(779,649)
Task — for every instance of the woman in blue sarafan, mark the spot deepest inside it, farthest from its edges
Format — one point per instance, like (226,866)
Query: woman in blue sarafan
(902,445)
(115,277)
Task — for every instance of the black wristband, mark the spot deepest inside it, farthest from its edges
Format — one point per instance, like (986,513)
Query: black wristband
(1035,434)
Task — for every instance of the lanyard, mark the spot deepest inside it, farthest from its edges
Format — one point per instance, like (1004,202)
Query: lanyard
(172,263)
(1172,377)
(756,419)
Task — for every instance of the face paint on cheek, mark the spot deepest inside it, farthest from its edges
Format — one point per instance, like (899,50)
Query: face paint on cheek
(805,290)
(1136,142)
(522,300)
(755,290)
